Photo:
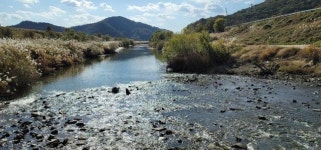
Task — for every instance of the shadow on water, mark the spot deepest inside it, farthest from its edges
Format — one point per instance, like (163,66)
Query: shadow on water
(129,65)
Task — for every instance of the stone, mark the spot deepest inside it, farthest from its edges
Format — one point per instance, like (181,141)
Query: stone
(169,132)
(80,124)
(64,142)
(262,118)
(50,137)
(53,143)
(239,146)
(71,122)
(160,129)
(162,138)
(115,90)
(127,92)
(211,146)
(54,132)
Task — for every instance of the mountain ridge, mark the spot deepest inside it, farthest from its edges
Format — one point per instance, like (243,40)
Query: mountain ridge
(116,26)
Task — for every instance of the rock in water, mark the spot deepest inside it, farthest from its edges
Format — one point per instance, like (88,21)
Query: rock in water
(127,92)
(115,90)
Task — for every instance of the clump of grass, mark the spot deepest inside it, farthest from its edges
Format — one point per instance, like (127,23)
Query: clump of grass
(248,54)
(267,54)
(311,53)
(295,67)
(287,52)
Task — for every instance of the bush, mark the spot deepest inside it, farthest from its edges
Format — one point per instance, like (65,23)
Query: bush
(93,51)
(17,69)
(159,38)
(193,53)
(126,43)
(219,25)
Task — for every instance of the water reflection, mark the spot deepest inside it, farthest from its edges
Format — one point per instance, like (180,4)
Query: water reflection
(135,64)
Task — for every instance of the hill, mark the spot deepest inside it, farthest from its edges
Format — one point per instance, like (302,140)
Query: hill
(38,26)
(299,28)
(113,26)
(267,9)
(119,27)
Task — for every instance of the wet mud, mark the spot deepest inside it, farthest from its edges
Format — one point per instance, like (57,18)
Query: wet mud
(177,112)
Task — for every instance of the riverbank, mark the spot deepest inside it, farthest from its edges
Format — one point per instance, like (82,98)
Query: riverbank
(178,112)
(23,61)
(295,63)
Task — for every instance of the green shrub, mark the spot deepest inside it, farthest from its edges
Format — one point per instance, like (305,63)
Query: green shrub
(126,43)
(159,38)
(219,25)
(194,53)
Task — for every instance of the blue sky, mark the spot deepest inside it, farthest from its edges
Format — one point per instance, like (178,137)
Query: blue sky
(167,14)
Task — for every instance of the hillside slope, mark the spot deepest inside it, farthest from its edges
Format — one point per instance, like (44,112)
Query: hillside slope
(38,26)
(267,9)
(119,27)
(301,28)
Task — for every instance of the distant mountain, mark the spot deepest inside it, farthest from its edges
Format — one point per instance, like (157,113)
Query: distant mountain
(119,27)
(38,26)
(267,9)
(113,26)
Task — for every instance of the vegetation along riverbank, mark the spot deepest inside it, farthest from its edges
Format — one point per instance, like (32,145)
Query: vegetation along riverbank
(282,47)
(26,59)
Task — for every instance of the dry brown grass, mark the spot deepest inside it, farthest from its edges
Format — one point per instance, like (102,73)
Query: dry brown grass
(287,52)
(311,53)
(295,67)
(22,61)
(268,53)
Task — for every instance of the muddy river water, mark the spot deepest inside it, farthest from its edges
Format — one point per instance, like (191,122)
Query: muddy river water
(134,104)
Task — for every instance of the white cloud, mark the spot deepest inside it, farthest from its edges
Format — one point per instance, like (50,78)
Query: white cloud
(160,6)
(26,5)
(206,1)
(8,16)
(80,4)
(106,7)
(205,9)
(51,13)
(29,1)
(83,18)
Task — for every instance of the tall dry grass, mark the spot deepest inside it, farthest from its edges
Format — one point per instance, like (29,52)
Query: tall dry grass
(24,60)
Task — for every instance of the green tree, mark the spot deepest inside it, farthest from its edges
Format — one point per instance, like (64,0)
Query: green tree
(49,29)
(219,25)
(159,38)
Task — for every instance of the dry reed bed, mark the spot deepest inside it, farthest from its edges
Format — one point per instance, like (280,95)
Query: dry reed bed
(292,60)
(22,61)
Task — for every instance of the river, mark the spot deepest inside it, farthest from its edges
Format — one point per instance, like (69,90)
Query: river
(156,110)
(130,65)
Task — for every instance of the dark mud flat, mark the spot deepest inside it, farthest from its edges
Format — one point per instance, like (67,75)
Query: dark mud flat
(178,112)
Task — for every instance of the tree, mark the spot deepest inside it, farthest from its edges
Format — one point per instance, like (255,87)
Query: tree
(49,29)
(219,25)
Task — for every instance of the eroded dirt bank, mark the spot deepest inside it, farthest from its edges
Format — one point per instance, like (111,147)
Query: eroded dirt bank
(180,111)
